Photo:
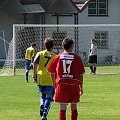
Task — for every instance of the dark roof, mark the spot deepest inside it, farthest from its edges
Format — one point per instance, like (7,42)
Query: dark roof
(17,7)
(24,2)
(63,6)
(46,4)
(53,6)
(58,6)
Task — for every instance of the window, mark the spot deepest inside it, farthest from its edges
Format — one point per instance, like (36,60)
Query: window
(98,8)
(101,39)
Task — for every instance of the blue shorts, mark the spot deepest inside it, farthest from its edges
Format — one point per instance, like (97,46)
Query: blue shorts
(47,89)
(27,65)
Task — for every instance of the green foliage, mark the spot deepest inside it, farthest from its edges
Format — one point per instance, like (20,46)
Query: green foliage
(100,101)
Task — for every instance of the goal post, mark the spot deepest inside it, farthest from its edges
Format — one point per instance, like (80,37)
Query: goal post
(107,37)
(14,49)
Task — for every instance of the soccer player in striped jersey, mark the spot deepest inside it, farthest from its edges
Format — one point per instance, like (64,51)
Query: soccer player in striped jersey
(68,69)
(29,57)
(41,62)
(92,59)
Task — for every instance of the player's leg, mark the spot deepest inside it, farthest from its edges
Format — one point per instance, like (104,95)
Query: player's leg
(42,102)
(90,64)
(27,72)
(62,112)
(95,64)
(74,113)
(47,105)
(27,67)
(42,99)
(49,98)
(94,69)
(91,68)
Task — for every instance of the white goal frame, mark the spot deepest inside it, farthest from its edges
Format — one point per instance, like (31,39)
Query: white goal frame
(82,34)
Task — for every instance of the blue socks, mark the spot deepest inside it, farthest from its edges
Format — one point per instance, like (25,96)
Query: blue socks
(47,106)
(42,99)
(35,80)
(27,76)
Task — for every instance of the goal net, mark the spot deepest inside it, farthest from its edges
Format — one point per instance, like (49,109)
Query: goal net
(107,37)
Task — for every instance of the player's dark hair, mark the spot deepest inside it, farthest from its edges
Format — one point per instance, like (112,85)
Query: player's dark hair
(67,43)
(33,44)
(48,43)
(94,40)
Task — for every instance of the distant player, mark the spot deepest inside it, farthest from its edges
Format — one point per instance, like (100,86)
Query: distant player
(29,57)
(41,62)
(67,71)
(92,59)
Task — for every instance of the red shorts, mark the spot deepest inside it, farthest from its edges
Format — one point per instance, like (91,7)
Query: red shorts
(68,91)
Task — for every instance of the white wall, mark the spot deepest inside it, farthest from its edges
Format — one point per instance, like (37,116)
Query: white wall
(6,25)
(112,18)
(62,19)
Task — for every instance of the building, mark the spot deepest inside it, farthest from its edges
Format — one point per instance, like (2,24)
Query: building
(53,12)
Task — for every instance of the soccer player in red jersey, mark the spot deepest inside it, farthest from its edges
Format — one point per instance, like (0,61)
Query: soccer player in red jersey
(67,71)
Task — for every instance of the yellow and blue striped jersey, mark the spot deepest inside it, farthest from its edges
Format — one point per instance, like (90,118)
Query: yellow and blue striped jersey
(43,60)
(29,53)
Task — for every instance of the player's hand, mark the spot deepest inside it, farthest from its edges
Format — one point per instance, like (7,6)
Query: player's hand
(31,66)
(81,92)
(34,76)
(81,89)
(54,85)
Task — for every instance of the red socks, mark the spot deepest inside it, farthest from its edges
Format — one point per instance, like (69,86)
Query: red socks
(62,115)
(74,114)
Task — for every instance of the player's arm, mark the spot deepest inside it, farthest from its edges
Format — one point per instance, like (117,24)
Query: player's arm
(82,71)
(31,64)
(26,54)
(52,70)
(34,70)
(53,76)
(35,63)
(81,85)
(32,59)
(32,56)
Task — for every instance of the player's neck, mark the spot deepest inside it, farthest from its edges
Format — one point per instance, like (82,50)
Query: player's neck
(69,50)
(49,49)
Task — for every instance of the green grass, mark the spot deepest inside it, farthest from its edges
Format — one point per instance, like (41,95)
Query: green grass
(100,70)
(105,70)
(100,101)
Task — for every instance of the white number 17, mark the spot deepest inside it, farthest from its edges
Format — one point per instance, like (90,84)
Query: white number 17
(66,69)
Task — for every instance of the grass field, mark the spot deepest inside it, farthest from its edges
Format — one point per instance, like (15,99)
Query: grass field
(100,101)
(100,70)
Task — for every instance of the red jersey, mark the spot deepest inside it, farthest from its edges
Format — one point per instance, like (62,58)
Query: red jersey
(68,67)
